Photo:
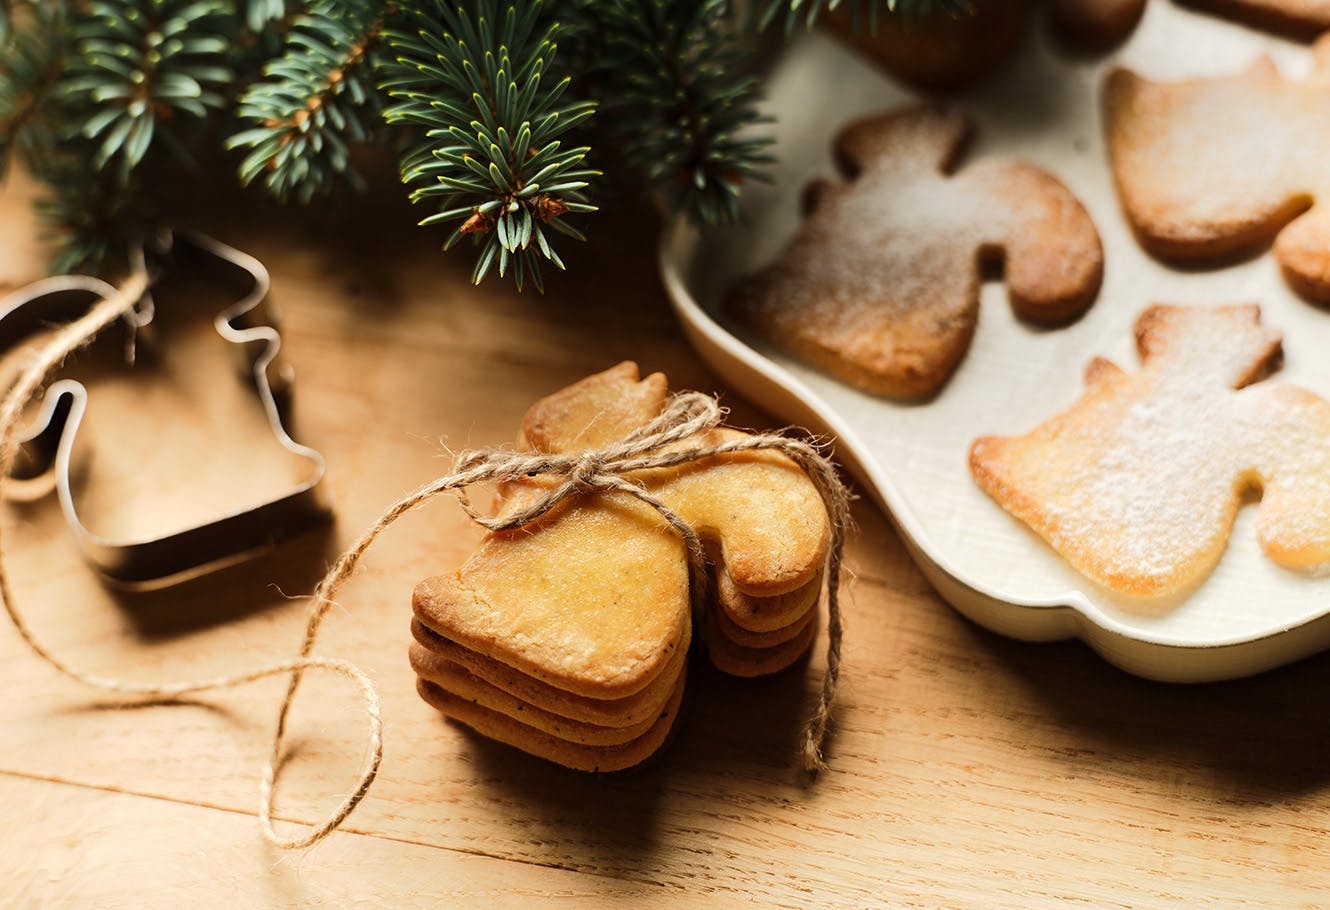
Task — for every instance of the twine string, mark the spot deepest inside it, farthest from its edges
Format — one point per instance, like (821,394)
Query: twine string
(46,359)
(686,415)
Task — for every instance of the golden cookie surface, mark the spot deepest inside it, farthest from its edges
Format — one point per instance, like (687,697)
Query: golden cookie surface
(602,712)
(1138,483)
(593,598)
(505,729)
(880,284)
(1209,168)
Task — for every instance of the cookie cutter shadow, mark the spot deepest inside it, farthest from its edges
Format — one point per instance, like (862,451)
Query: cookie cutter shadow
(367,267)
(264,581)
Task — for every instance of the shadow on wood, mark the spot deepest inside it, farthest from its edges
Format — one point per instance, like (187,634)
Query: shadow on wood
(1241,741)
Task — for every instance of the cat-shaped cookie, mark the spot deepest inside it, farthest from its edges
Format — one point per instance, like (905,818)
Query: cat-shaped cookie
(1208,168)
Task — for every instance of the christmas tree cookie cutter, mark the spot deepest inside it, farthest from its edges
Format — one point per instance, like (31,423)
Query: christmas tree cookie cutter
(249,326)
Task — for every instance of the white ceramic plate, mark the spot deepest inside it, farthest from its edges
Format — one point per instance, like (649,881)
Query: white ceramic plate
(1250,614)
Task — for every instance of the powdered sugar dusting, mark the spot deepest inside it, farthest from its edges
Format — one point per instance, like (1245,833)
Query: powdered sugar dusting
(1137,485)
(886,267)
(1210,158)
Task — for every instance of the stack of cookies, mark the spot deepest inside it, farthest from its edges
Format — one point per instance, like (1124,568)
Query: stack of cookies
(568,638)
(602,732)
(753,635)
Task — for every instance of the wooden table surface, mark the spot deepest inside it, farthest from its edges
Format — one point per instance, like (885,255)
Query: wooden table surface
(966,770)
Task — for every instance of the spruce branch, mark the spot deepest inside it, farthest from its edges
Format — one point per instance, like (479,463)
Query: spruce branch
(317,98)
(146,68)
(680,98)
(259,13)
(805,13)
(31,64)
(471,77)
(101,98)
(91,220)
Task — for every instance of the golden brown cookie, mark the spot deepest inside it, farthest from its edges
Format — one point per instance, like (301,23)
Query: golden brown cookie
(940,51)
(1138,483)
(571,631)
(765,614)
(593,600)
(601,712)
(1207,168)
(458,681)
(880,285)
(1095,23)
(749,639)
(595,411)
(738,660)
(505,729)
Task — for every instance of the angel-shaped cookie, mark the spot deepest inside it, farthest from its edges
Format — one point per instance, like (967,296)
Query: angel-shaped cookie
(1138,483)
(880,286)
(566,637)
(1212,167)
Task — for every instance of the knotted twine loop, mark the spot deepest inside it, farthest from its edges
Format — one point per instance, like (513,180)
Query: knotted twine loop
(686,415)
(45,360)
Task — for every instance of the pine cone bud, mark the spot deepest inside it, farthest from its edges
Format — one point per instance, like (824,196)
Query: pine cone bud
(548,207)
(478,223)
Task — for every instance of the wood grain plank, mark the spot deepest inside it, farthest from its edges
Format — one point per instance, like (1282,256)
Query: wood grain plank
(187,856)
(966,770)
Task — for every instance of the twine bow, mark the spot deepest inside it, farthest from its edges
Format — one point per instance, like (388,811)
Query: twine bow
(609,469)
(686,415)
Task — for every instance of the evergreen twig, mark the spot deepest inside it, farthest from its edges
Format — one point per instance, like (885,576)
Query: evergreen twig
(472,76)
(317,99)
(680,98)
(260,13)
(145,71)
(100,97)
(31,64)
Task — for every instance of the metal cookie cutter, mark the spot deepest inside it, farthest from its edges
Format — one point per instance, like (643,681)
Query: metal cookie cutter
(249,326)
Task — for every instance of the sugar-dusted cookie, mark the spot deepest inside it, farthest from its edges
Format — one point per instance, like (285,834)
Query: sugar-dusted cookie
(1297,18)
(1211,167)
(1138,483)
(880,285)
(566,637)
